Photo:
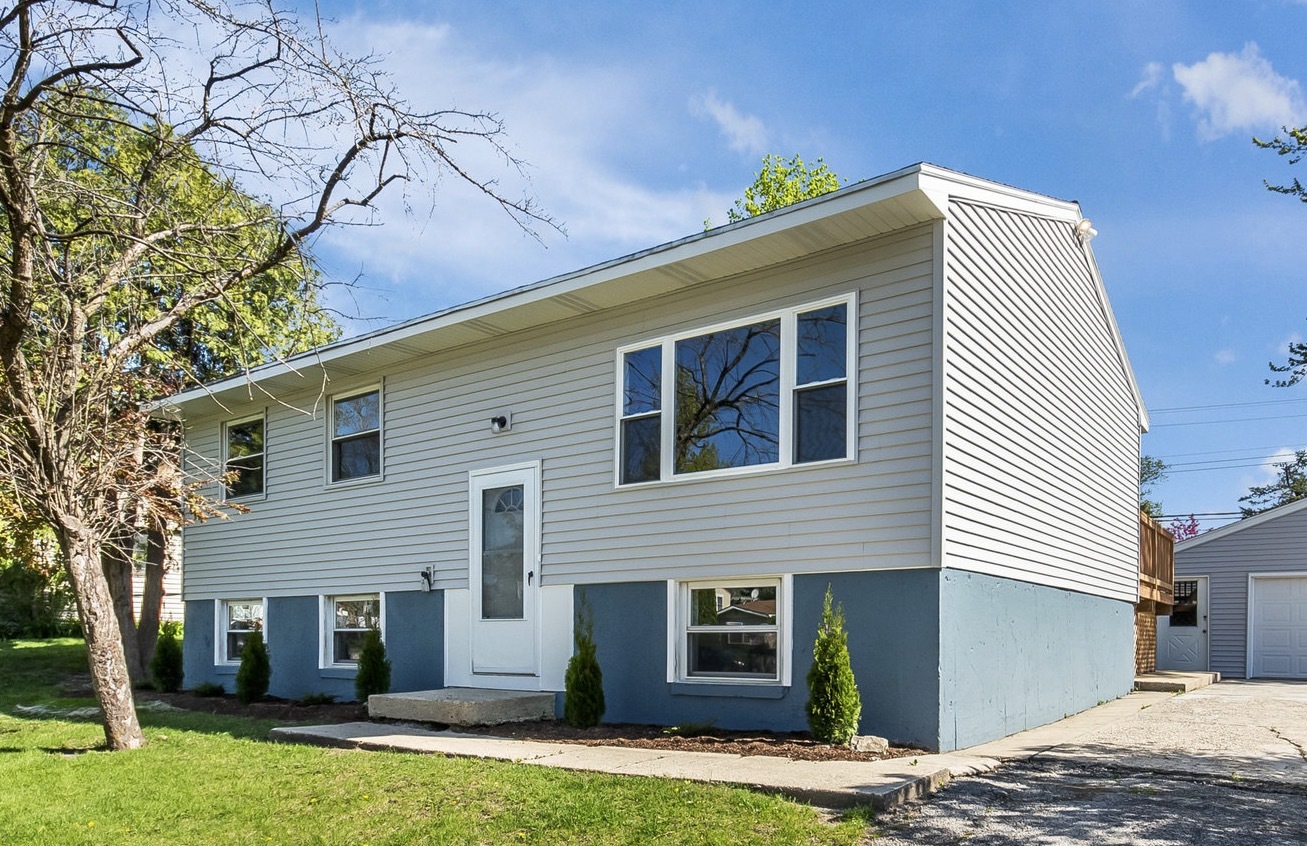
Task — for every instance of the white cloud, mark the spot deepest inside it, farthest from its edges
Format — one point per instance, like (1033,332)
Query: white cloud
(745,133)
(567,120)
(1152,77)
(1240,92)
(1226,356)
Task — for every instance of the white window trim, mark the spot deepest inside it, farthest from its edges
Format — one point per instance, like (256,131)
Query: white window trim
(225,446)
(328,617)
(379,388)
(220,657)
(678,608)
(788,388)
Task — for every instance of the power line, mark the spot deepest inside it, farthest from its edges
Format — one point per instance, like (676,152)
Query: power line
(1184,408)
(1226,420)
(1226,451)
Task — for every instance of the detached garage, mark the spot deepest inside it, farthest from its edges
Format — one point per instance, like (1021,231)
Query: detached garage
(1246,591)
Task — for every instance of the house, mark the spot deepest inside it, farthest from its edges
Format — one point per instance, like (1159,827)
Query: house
(1241,599)
(911,390)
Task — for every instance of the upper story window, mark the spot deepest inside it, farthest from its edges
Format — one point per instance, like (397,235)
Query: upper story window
(243,459)
(770,392)
(356,436)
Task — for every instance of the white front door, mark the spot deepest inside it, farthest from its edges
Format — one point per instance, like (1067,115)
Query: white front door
(504,571)
(1182,637)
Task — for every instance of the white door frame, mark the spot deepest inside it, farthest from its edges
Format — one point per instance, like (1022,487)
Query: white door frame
(1203,614)
(1248,631)
(528,475)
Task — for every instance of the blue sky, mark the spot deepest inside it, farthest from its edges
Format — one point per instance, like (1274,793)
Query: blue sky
(641,121)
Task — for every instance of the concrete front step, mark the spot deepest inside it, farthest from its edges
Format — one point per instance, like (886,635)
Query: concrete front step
(1174,681)
(463,706)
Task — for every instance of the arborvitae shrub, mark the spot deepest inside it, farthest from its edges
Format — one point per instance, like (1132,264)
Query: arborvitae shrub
(253,677)
(374,670)
(166,665)
(583,699)
(833,701)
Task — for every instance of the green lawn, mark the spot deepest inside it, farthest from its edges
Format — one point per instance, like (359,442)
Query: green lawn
(213,780)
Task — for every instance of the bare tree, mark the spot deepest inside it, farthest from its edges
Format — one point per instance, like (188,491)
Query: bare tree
(155,160)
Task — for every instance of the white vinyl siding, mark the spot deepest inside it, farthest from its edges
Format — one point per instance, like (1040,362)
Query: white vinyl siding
(871,512)
(1274,545)
(1040,422)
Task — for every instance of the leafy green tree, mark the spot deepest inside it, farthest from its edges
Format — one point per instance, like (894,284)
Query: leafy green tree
(255,673)
(373,674)
(1151,471)
(782,183)
(1294,147)
(1292,144)
(583,684)
(1290,485)
(834,704)
(149,197)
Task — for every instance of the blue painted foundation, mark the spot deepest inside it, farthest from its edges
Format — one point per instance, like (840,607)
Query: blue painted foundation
(415,627)
(1016,655)
(943,659)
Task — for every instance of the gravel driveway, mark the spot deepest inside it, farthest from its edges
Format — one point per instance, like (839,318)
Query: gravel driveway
(1223,765)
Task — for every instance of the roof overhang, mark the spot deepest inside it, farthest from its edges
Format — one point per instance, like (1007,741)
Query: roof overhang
(911,196)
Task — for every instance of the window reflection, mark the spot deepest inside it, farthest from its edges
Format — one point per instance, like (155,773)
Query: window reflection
(728,398)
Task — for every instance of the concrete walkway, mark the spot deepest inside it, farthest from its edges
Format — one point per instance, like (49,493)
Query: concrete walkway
(1250,728)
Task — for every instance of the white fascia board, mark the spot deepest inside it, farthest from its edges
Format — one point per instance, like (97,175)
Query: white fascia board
(1238,526)
(934,184)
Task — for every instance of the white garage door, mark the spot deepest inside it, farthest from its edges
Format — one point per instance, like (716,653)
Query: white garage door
(1279,627)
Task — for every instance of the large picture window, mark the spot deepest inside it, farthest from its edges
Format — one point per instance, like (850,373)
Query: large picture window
(243,459)
(238,620)
(769,392)
(730,631)
(356,436)
(347,620)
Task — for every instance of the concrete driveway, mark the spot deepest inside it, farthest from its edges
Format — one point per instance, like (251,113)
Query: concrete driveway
(1252,730)
(1224,764)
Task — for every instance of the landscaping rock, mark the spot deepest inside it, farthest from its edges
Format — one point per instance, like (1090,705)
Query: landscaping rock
(869,743)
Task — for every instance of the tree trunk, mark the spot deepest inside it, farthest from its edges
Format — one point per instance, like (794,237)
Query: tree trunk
(116,561)
(147,630)
(104,646)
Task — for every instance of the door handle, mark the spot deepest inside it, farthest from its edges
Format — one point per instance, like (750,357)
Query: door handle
(530,574)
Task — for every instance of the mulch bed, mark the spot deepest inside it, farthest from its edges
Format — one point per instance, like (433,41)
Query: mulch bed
(796,746)
(282,710)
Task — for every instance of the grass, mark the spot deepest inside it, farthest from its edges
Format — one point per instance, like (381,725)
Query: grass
(212,779)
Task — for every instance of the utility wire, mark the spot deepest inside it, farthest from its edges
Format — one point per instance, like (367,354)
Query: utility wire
(1183,408)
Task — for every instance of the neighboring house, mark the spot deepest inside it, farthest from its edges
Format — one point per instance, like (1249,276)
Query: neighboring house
(172,608)
(911,390)
(1241,599)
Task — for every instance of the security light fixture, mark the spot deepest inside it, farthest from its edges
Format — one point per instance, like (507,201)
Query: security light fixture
(1085,230)
(502,423)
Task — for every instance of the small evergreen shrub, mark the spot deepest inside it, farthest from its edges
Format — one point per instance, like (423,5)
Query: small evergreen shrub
(833,701)
(255,674)
(374,670)
(316,699)
(209,689)
(166,665)
(583,698)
